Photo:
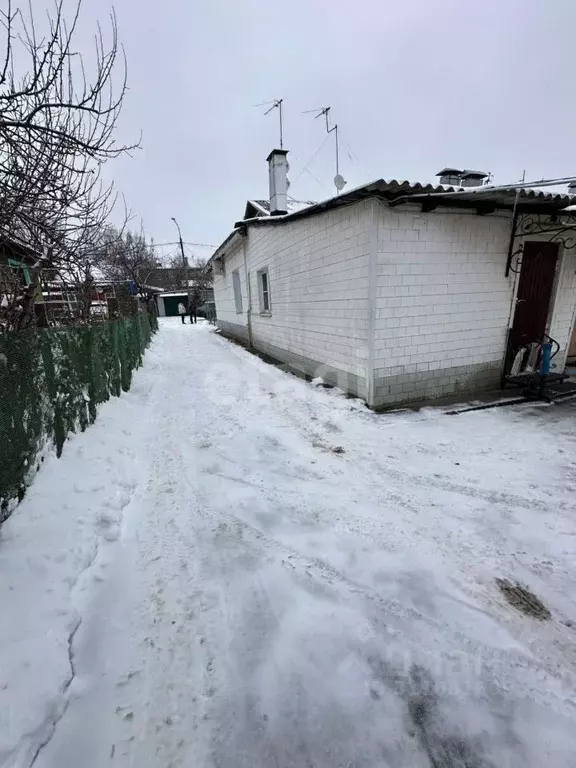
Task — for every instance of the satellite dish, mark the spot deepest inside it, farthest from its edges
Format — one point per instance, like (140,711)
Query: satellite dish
(339,182)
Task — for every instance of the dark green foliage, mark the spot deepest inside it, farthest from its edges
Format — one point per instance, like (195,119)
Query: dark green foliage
(51,382)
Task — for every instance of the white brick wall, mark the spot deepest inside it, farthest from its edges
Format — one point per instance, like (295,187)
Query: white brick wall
(563,314)
(224,289)
(318,269)
(442,298)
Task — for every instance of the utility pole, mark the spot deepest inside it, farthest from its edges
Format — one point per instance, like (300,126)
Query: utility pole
(184,261)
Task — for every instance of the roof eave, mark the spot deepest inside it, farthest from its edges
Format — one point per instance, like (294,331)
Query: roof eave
(238,232)
(527,201)
(384,190)
(484,199)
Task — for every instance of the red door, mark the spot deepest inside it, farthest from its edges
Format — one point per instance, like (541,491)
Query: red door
(534,293)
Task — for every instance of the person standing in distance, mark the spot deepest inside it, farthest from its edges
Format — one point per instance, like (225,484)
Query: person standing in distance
(194,303)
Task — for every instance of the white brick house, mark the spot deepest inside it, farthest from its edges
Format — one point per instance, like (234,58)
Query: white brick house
(396,292)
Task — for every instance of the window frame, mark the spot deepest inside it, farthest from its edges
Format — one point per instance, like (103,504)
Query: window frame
(237,289)
(19,266)
(264,295)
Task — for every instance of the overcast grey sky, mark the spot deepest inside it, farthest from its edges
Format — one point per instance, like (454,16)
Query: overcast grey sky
(413,85)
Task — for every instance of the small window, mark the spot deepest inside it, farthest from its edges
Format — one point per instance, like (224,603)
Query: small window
(237,291)
(21,270)
(264,291)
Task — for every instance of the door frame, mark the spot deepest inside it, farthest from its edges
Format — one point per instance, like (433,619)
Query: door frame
(553,293)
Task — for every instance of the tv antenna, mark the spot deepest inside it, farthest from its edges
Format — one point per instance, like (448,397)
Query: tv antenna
(276,104)
(339,181)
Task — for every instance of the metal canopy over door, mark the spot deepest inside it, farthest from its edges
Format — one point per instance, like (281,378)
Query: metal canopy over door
(534,293)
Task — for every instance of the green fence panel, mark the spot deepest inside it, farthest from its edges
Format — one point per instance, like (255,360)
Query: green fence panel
(51,383)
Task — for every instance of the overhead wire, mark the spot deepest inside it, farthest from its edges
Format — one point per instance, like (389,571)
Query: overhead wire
(316,179)
(187,242)
(306,166)
(354,157)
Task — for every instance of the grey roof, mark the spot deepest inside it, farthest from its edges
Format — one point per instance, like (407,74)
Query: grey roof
(467,174)
(526,199)
(449,172)
(15,244)
(262,207)
(386,190)
(484,199)
(235,235)
(398,192)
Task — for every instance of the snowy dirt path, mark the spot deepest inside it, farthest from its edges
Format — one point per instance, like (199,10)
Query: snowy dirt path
(203,581)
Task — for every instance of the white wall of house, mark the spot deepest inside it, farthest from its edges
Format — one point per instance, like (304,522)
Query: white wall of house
(318,277)
(392,304)
(563,316)
(228,318)
(442,304)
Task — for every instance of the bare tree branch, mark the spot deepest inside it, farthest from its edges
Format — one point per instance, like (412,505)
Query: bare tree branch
(58,122)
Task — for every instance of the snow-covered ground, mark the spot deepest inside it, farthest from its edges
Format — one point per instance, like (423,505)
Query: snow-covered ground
(203,581)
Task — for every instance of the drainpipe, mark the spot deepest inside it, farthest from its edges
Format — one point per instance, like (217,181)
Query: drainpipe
(514,287)
(249,290)
(372,289)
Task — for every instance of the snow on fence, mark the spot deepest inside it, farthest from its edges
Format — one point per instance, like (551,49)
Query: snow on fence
(51,382)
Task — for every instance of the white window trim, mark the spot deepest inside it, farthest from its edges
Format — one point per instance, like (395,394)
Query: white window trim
(237,290)
(263,311)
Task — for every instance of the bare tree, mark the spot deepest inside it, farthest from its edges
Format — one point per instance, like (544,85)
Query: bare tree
(202,276)
(58,121)
(126,256)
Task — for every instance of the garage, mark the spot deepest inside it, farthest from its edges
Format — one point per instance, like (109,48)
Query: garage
(168,303)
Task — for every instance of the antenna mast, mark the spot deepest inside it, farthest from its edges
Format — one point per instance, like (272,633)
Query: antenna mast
(276,104)
(339,182)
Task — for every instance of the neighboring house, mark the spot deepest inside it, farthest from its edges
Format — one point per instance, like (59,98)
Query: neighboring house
(174,278)
(171,278)
(173,281)
(17,262)
(400,292)
(19,265)
(168,302)
(63,299)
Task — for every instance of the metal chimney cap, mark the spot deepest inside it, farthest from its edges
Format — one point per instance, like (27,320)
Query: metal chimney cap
(466,174)
(276,152)
(449,172)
